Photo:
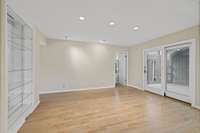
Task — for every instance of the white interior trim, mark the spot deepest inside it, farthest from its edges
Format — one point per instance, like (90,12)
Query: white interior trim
(127,68)
(73,90)
(196,106)
(3,69)
(193,71)
(180,97)
(34,107)
(136,87)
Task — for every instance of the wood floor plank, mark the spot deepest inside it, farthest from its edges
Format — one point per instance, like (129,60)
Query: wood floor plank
(112,110)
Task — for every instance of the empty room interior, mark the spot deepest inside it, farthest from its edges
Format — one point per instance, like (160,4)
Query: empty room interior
(100,66)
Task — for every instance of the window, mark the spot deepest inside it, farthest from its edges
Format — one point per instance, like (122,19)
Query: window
(20,94)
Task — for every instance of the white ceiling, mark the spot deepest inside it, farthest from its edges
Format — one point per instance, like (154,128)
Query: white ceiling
(57,18)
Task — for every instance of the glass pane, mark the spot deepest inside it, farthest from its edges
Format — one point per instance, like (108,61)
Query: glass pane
(154,68)
(178,66)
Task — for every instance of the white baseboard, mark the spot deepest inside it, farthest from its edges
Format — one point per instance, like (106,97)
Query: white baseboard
(196,106)
(72,90)
(178,96)
(19,123)
(133,86)
(35,106)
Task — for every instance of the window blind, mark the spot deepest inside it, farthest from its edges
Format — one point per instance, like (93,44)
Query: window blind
(20,93)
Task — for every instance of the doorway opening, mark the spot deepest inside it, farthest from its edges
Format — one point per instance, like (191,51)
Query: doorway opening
(121,69)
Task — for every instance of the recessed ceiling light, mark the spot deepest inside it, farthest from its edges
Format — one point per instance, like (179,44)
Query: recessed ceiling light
(111,23)
(81,18)
(178,49)
(102,41)
(136,28)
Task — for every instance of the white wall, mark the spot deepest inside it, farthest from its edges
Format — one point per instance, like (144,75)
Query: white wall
(39,39)
(70,65)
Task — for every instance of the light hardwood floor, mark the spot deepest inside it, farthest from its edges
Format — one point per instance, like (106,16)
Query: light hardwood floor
(114,110)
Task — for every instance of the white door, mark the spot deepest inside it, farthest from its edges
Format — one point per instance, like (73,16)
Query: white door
(123,68)
(170,70)
(178,66)
(153,62)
